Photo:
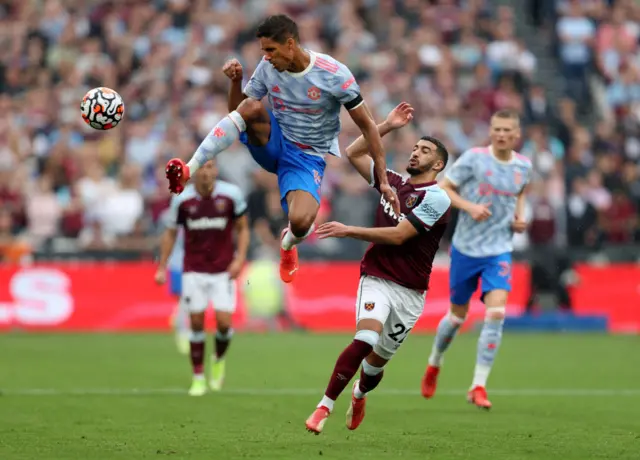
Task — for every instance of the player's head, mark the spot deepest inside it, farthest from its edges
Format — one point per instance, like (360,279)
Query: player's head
(206,175)
(279,40)
(504,130)
(428,155)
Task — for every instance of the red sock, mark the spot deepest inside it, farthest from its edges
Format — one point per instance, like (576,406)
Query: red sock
(369,382)
(197,357)
(346,367)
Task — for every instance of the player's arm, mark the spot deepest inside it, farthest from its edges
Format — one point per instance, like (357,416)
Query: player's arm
(461,172)
(233,70)
(243,234)
(358,151)
(519,224)
(383,235)
(168,238)
(167,242)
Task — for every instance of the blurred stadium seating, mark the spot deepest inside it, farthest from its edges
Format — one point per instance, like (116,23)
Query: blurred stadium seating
(570,67)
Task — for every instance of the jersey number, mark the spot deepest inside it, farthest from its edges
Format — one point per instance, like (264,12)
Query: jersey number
(400,333)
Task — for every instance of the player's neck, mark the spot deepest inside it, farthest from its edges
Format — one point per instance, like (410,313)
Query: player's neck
(205,191)
(422,179)
(502,154)
(301,61)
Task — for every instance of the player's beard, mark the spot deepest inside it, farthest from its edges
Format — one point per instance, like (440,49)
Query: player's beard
(414,171)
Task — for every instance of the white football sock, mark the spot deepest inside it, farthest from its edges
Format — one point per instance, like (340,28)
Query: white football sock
(326,402)
(290,240)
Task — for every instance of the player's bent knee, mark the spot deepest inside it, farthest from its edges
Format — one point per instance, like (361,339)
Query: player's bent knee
(223,321)
(495,313)
(374,363)
(459,312)
(251,111)
(300,223)
(370,337)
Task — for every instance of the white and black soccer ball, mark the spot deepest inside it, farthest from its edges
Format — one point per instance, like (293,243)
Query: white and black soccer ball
(102,108)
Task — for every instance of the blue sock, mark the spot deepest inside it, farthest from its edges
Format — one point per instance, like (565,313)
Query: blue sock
(447,329)
(488,344)
(220,138)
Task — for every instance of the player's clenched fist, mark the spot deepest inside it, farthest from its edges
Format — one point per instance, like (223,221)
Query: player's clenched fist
(233,69)
(480,212)
(161,275)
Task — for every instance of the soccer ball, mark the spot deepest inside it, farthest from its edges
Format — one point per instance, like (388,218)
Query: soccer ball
(102,108)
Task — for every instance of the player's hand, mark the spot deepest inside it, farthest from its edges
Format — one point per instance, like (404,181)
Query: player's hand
(400,116)
(161,276)
(480,212)
(390,195)
(233,69)
(332,230)
(519,226)
(234,268)
(178,174)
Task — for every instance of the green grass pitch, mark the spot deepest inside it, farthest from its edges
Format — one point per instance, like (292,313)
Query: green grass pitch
(124,397)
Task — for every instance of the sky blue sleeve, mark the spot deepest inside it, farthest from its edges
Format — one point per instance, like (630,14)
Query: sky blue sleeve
(256,87)
(462,169)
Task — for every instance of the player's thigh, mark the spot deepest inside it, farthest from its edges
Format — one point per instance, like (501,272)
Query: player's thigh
(496,280)
(464,274)
(222,293)
(300,180)
(302,208)
(405,311)
(258,121)
(265,142)
(372,304)
(194,298)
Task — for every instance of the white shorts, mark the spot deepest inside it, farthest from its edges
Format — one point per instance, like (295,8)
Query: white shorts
(396,307)
(201,289)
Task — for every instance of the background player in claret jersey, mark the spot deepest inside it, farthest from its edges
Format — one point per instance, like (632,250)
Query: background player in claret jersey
(394,271)
(306,90)
(211,212)
(488,185)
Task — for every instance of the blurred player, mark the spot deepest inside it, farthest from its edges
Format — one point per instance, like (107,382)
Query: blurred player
(395,269)
(179,317)
(305,90)
(210,211)
(487,184)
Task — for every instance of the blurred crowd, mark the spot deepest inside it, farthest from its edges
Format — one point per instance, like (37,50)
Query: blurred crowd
(65,187)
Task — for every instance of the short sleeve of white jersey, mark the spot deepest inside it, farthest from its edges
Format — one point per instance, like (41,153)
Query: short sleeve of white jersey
(239,202)
(170,218)
(431,209)
(462,169)
(346,90)
(256,87)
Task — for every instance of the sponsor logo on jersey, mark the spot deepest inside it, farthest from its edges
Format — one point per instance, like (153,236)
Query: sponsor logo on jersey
(207,223)
(220,204)
(388,210)
(432,213)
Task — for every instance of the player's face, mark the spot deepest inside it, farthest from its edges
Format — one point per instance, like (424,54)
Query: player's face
(504,133)
(206,174)
(424,157)
(280,55)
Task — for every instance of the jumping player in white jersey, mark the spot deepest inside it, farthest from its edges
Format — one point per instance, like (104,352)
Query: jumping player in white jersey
(395,270)
(305,90)
(488,185)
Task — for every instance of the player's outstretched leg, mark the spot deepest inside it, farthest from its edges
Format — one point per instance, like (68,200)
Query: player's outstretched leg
(370,376)
(345,368)
(303,209)
(488,344)
(197,345)
(447,328)
(222,342)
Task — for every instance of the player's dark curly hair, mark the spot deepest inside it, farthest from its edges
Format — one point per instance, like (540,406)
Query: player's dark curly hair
(278,28)
(441,150)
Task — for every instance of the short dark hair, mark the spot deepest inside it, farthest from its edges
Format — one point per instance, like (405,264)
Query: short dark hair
(507,113)
(278,28)
(441,150)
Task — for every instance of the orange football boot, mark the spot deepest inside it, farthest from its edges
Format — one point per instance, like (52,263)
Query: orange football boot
(288,261)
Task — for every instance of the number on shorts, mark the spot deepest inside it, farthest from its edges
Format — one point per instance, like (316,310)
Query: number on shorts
(401,333)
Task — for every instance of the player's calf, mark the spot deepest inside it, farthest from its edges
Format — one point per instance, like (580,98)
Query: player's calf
(488,344)
(345,368)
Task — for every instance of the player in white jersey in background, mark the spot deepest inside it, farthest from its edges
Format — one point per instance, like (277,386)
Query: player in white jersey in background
(487,184)
(306,91)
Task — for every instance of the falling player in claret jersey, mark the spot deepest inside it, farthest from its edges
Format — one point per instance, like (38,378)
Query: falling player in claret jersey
(305,90)
(212,213)
(395,269)
(487,185)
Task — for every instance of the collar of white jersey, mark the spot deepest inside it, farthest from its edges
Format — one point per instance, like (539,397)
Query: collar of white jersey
(312,62)
(513,156)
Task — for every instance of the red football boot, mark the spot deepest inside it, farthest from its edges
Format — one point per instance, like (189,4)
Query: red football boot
(178,174)
(288,261)
(430,381)
(478,396)
(355,413)
(316,421)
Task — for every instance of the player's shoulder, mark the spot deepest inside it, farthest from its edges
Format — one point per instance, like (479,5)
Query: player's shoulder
(436,196)
(395,178)
(521,160)
(328,65)
(187,194)
(228,189)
